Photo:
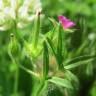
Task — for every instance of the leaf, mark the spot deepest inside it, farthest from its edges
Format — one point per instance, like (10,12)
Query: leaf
(45,60)
(61,82)
(72,78)
(59,49)
(44,89)
(51,46)
(58,55)
(36,91)
(75,62)
(54,22)
(89,70)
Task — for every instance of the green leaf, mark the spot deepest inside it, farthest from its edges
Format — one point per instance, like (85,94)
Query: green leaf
(37,90)
(75,62)
(58,56)
(50,34)
(71,76)
(89,70)
(51,46)
(61,82)
(54,22)
(45,60)
(59,49)
(44,89)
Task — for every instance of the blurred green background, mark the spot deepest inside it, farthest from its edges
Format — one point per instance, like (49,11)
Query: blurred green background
(73,9)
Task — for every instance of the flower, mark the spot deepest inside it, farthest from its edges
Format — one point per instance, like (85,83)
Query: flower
(66,23)
(14,11)
(1,4)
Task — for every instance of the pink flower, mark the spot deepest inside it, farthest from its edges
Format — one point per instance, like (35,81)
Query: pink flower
(66,23)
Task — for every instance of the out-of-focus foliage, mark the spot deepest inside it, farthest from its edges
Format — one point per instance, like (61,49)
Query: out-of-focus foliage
(76,80)
(72,8)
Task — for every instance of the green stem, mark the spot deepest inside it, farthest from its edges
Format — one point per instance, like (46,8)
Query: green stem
(16,75)
(37,90)
(16,80)
(15,91)
(35,75)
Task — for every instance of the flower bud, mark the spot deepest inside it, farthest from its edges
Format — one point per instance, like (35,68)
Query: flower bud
(14,46)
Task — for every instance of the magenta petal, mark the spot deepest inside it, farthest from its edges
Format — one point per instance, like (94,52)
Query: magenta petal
(66,23)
